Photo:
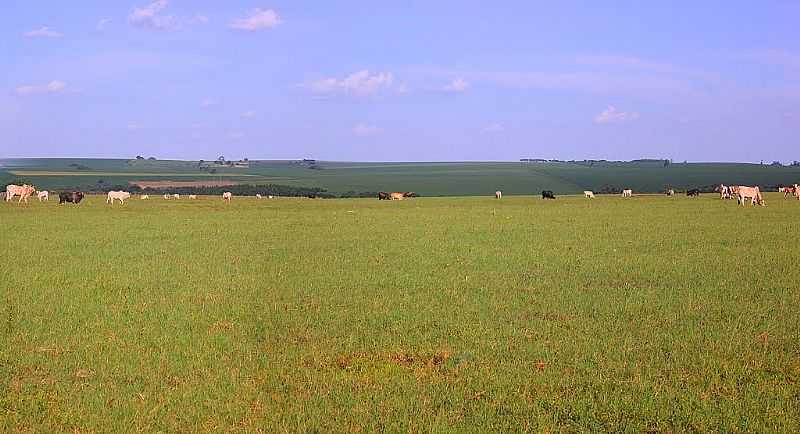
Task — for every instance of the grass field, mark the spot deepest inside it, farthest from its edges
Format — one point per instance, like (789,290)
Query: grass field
(427,179)
(433,314)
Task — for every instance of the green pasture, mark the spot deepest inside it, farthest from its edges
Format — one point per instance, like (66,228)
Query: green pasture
(431,314)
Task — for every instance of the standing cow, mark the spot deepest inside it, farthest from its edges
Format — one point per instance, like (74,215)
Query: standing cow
(752,193)
(23,191)
(73,197)
(670,192)
(43,196)
(547,194)
(693,192)
(588,194)
(627,192)
(383,195)
(498,194)
(117,195)
(227,196)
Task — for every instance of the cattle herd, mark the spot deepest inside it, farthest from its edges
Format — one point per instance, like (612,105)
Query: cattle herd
(740,192)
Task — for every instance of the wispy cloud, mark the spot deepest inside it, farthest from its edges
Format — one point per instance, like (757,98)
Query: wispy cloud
(611,115)
(150,16)
(360,83)
(250,114)
(101,24)
(54,86)
(458,85)
(494,128)
(43,32)
(364,130)
(257,19)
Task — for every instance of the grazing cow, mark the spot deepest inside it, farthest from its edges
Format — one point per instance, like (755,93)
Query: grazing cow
(547,194)
(23,191)
(627,192)
(498,194)
(693,192)
(258,196)
(72,197)
(270,196)
(588,194)
(670,192)
(117,195)
(176,196)
(43,196)
(227,196)
(383,196)
(396,196)
(752,193)
(167,196)
(192,196)
(144,197)
(792,190)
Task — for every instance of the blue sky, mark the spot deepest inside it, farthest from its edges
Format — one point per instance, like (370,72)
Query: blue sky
(401,81)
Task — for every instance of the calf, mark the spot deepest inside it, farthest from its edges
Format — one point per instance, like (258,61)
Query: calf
(627,192)
(588,194)
(43,196)
(498,194)
(227,196)
(547,194)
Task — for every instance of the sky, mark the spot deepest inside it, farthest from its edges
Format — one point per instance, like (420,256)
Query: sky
(401,81)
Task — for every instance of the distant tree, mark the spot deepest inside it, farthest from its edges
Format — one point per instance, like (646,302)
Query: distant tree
(151,158)
(795,163)
(221,159)
(139,157)
(666,163)
(246,160)
(776,163)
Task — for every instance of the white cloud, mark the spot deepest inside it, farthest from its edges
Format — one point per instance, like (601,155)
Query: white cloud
(457,85)
(359,83)
(54,86)
(364,130)
(43,32)
(611,114)
(101,25)
(250,114)
(494,128)
(150,16)
(257,19)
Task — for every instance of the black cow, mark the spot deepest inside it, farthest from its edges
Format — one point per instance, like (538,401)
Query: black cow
(383,196)
(73,197)
(410,194)
(547,194)
(693,192)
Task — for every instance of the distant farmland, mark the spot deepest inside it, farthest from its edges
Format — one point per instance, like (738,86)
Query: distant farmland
(427,179)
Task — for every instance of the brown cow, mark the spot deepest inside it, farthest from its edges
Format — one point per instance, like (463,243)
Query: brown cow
(397,196)
(383,195)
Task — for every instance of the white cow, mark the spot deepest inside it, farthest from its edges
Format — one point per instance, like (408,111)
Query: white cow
(23,191)
(43,196)
(498,194)
(192,196)
(627,192)
(176,196)
(588,194)
(117,195)
(270,196)
(167,196)
(144,197)
(227,196)
(258,196)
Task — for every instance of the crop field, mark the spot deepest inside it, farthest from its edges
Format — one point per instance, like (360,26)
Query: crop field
(427,179)
(458,314)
